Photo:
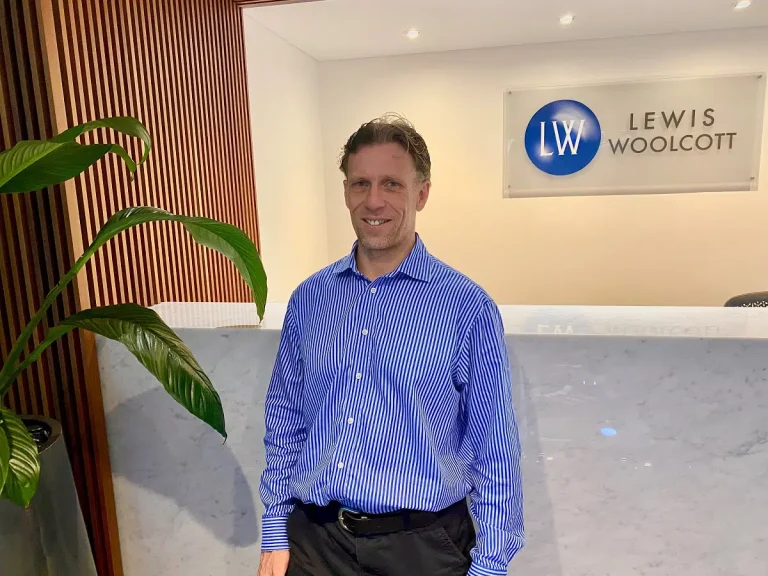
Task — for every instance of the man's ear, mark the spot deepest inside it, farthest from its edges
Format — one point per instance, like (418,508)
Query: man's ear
(423,195)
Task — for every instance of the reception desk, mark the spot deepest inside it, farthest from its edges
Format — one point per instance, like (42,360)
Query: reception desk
(644,435)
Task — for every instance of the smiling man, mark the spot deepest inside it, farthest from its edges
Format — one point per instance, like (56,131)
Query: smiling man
(390,404)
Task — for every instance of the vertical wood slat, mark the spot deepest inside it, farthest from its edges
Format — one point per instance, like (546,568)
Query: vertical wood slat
(178,66)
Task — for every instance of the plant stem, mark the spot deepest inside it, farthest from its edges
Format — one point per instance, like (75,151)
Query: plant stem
(53,334)
(8,373)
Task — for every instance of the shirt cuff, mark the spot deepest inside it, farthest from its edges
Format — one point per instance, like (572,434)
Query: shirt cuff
(475,570)
(274,534)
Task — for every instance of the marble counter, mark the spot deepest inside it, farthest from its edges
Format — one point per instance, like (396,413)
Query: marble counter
(644,431)
(648,321)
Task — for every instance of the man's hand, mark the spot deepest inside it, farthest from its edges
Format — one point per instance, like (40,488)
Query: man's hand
(274,563)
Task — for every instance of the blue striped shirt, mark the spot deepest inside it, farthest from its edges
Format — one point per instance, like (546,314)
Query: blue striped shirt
(394,394)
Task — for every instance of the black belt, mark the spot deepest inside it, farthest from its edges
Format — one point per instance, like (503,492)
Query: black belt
(361,524)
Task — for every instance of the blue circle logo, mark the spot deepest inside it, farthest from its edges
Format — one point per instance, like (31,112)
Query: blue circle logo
(563,137)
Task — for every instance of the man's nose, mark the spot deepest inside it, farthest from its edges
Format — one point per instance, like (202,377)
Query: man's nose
(375,197)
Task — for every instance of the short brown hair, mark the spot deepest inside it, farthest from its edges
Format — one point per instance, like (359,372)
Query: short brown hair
(386,129)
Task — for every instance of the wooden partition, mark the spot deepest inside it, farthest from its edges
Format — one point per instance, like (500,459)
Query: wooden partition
(179,66)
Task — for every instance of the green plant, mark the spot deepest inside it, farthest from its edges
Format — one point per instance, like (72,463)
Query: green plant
(35,164)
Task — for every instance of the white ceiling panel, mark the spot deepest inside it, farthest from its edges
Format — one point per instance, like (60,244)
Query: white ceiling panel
(341,29)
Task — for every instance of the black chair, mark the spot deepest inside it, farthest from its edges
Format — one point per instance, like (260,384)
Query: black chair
(751,300)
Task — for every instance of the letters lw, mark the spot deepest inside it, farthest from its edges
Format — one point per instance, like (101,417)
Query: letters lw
(566,141)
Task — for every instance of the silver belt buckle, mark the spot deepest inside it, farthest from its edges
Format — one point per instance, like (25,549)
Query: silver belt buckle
(350,512)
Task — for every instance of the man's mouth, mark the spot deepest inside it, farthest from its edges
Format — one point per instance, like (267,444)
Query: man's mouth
(372,222)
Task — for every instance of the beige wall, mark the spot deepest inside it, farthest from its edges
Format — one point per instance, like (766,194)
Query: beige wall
(283,89)
(692,249)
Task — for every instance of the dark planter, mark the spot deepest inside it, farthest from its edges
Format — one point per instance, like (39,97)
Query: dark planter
(49,537)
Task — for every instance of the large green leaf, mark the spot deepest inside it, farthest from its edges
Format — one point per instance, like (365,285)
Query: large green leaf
(123,124)
(23,463)
(22,156)
(224,238)
(59,163)
(238,248)
(5,455)
(161,352)
(35,164)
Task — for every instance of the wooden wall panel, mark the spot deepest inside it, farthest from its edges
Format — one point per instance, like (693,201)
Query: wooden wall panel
(179,66)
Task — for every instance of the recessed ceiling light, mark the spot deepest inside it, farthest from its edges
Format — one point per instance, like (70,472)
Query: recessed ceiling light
(741,4)
(567,20)
(412,34)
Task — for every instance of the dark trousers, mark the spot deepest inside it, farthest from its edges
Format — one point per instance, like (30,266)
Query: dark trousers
(326,549)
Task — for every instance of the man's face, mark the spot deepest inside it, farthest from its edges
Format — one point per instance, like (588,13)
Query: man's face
(383,193)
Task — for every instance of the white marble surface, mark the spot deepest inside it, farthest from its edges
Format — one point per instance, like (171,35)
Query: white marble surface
(648,321)
(680,489)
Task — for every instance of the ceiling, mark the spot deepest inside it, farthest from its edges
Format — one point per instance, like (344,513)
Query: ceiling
(341,29)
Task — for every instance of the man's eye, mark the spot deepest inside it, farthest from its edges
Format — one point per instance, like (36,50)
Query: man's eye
(393,184)
(360,184)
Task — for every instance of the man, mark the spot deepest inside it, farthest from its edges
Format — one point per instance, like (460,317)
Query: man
(390,401)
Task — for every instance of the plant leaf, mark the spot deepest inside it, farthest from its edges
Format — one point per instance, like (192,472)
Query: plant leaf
(235,245)
(23,463)
(5,456)
(224,238)
(60,163)
(160,351)
(36,164)
(123,124)
(23,155)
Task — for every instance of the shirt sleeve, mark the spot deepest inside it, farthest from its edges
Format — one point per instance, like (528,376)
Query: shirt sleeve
(496,500)
(284,437)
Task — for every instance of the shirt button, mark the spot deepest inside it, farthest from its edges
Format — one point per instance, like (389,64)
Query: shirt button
(358,376)
(351,421)
(373,290)
(365,332)
(341,465)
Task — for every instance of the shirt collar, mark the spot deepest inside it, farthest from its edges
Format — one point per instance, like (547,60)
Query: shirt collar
(417,264)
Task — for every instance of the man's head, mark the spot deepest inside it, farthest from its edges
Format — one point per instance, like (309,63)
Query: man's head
(387,179)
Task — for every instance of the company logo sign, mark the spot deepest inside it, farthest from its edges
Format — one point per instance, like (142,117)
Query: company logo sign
(640,137)
(563,137)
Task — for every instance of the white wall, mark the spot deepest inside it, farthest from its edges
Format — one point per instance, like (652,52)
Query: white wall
(283,89)
(694,249)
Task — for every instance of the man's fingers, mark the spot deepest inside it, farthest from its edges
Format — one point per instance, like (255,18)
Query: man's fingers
(274,563)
